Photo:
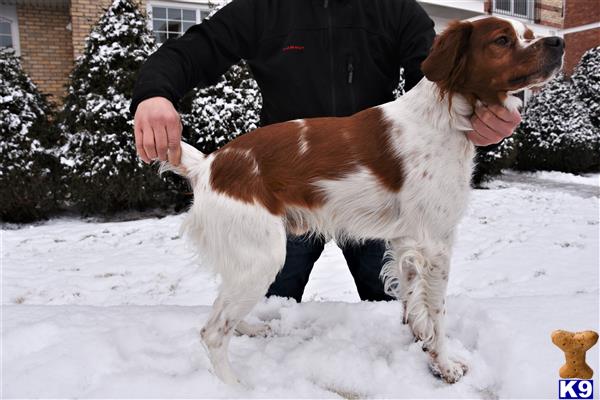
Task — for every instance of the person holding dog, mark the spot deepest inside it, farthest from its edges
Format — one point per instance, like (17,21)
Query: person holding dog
(310,58)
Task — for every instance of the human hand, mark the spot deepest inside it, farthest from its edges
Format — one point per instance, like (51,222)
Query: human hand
(492,124)
(157,130)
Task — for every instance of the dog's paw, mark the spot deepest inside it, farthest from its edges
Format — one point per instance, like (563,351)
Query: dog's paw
(253,330)
(448,370)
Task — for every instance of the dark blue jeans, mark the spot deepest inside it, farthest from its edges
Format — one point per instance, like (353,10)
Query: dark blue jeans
(364,261)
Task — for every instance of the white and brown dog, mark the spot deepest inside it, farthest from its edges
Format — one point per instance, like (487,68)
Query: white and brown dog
(400,172)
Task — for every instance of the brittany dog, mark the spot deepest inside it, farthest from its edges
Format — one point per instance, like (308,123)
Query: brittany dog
(400,172)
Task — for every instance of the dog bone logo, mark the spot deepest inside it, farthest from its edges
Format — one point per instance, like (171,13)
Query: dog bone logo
(574,345)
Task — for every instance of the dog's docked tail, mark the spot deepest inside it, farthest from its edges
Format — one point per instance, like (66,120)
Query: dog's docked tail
(192,162)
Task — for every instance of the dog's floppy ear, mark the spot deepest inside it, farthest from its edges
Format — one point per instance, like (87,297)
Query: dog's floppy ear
(447,61)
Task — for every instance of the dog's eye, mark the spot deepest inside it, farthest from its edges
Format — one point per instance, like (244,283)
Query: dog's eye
(502,41)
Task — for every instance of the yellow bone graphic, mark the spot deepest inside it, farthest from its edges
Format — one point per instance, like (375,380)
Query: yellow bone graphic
(574,345)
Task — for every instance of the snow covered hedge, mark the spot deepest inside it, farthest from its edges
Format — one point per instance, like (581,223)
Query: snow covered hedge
(586,79)
(557,132)
(216,115)
(105,174)
(29,169)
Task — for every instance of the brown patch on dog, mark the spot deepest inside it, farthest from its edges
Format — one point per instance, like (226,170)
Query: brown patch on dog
(267,167)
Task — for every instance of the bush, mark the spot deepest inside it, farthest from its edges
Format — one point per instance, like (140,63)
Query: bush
(218,114)
(586,79)
(105,174)
(29,170)
(557,133)
(491,160)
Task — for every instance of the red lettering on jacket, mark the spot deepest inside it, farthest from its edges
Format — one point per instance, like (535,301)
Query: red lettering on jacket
(293,48)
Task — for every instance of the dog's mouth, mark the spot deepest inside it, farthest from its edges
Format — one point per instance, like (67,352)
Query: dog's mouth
(538,77)
(521,79)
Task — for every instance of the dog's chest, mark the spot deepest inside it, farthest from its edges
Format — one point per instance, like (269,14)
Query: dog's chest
(438,167)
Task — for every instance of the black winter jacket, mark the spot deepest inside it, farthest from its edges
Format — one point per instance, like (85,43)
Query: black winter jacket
(310,58)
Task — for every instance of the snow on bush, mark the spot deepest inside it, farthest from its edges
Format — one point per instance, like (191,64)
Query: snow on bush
(586,79)
(218,114)
(557,133)
(105,173)
(400,89)
(28,168)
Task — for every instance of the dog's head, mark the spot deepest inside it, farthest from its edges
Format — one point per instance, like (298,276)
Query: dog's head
(489,58)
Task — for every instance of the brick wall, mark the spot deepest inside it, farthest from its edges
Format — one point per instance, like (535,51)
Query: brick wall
(84,14)
(549,12)
(487,6)
(46,47)
(51,38)
(578,43)
(581,12)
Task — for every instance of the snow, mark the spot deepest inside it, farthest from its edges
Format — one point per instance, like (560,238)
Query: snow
(584,179)
(114,310)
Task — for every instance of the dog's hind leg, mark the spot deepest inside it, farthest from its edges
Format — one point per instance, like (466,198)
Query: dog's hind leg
(247,271)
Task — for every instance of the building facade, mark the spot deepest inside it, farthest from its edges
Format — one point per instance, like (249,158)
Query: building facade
(50,34)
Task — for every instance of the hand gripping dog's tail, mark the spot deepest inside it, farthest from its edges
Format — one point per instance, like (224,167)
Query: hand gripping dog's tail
(192,163)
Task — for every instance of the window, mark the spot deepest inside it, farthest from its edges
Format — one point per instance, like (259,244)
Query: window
(9,29)
(5,33)
(169,22)
(516,8)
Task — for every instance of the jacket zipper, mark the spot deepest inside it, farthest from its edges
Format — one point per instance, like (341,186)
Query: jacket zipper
(331,63)
(350,69)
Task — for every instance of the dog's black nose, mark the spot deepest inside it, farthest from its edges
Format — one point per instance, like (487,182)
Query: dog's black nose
(554,41)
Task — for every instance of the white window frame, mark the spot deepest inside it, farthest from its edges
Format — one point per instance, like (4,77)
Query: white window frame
(511,13)
(9,12)
(196,6)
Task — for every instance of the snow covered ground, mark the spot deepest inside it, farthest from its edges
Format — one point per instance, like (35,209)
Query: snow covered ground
(114,309)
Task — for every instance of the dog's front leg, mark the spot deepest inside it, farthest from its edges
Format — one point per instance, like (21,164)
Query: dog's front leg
(424,279)
(436,282)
